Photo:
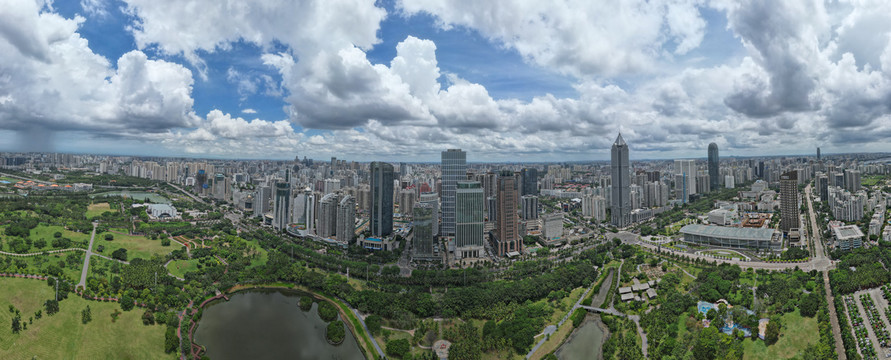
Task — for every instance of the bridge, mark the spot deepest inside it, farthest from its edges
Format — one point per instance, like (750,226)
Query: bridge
(605,311)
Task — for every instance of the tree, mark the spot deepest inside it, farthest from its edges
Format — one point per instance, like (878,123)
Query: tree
(148,318)
(126,302)
(373,322)
(773,332)
(40,243)
(120,254)
(109,237)
(57,235)
(171,342)
(398,348)
(86,315)
(16,324)
(165,242)
(810,305)
(52,307)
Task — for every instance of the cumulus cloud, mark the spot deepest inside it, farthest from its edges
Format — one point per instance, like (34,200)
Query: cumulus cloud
(50,80)
(579,37)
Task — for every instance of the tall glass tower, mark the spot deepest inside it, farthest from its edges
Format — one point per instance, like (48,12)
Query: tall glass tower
(381,218)
(713,166)
(620,199)
(454,168)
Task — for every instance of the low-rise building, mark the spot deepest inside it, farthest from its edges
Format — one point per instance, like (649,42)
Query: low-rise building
(848,237)
(733,237)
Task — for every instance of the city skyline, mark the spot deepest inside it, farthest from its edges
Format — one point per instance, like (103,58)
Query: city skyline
(403,80)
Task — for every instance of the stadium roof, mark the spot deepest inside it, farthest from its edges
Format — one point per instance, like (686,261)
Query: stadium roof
(729,232)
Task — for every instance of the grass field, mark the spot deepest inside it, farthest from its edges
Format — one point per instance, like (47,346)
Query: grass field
(137,246)
(179,268)
(94,210)
(46,232)
(798,332)
(63,336)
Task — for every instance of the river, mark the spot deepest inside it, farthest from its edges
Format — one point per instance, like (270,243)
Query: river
(268,324)
(587,341)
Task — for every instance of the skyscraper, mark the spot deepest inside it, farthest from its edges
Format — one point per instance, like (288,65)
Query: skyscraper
(432,200)
(620,194)
(422,231)
(530,181)
(789,208)
(346,219)
(687,184)
(713,167)
(529,207)
(328,215)
(381,219)
(469,219)
(454,168)
(818,154)
(506,226)
(282,211)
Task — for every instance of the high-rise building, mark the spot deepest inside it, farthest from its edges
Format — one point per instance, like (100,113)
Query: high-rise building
(328,216)
(529,207)
(261,201)
(431,199)
(713,167)
(852,180)
(620,171)
(789,208)
(530,181)
(506,226)
(422,231)
(282,211)
(818,154)
(330,186)
(552,226)
(406,201)
(469,220)
(381,219)
(454,169)
(687,171)
(346,219)
(491,208)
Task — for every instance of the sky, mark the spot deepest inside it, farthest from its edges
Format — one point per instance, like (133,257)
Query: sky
(402,80)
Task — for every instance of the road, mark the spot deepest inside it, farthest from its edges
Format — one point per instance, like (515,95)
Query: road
(86,269)
(819,253)
(187,193)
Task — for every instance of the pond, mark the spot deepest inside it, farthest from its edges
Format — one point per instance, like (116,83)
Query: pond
(268,324)
(587,341)
(136,195)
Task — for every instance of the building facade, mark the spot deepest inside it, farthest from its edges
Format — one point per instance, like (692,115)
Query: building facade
(713,167)
(422,231)
(346,219)
(620,194)
(790,210)
(506,226)
(454,169)
(469,213)
(381,217)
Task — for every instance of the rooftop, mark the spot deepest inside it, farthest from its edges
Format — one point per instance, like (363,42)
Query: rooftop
(729,232)
(847,232)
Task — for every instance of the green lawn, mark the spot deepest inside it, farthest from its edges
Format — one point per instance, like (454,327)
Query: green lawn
(798,332)
(46,232)
(94,210)
(179,268)
(63,336)
(137,246)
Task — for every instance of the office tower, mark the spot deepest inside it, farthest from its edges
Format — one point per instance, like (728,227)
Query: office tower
(552,226)
(282,210)
(713,167)
(529,207)
(422,231)
(789,207)
(620,171)
(490,186)
(381,219)
(200,181)
(469,219)
(687,170)
(454,168)
(346,219)
(818,154)
(219,187)
(729,181)
(822,184)
(431,199)
(506,226)
(530,181)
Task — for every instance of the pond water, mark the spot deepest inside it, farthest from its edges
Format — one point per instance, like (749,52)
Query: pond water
(268,324)
(136,195)
(587,341)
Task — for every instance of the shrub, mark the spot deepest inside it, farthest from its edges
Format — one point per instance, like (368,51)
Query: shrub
(109,237)
(398,348)
(305,303)
(57,235)
(373,322)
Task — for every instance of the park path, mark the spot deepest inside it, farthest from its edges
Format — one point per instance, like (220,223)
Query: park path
(86,269)
(370,336)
